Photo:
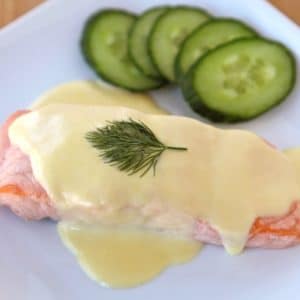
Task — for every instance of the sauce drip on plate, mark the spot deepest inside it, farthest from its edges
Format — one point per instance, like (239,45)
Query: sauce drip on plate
(122,258)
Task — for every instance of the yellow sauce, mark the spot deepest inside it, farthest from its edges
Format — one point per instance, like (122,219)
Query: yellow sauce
(293,155)
(227,177)
(116,258)
(97,93)
(124,257)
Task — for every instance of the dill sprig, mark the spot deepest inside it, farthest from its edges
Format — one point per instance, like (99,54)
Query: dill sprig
(131,146)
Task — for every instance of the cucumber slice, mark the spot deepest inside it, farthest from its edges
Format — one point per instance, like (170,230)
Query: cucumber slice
(168,33)
(104,45)
(240,80)
(138,40)
(206,37)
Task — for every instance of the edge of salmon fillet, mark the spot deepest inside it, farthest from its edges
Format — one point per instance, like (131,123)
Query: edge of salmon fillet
(18,188)
(266,232)
(21,192)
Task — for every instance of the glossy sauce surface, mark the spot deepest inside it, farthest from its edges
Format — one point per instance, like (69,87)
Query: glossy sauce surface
(123,258)
(85,92)
(227,177)
(293,155)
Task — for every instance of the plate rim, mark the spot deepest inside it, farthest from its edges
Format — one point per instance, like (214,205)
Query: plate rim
(42,9)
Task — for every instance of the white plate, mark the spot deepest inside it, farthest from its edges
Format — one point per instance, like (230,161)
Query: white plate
(40,51)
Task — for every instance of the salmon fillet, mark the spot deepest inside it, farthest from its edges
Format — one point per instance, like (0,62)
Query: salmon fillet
(23,194)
